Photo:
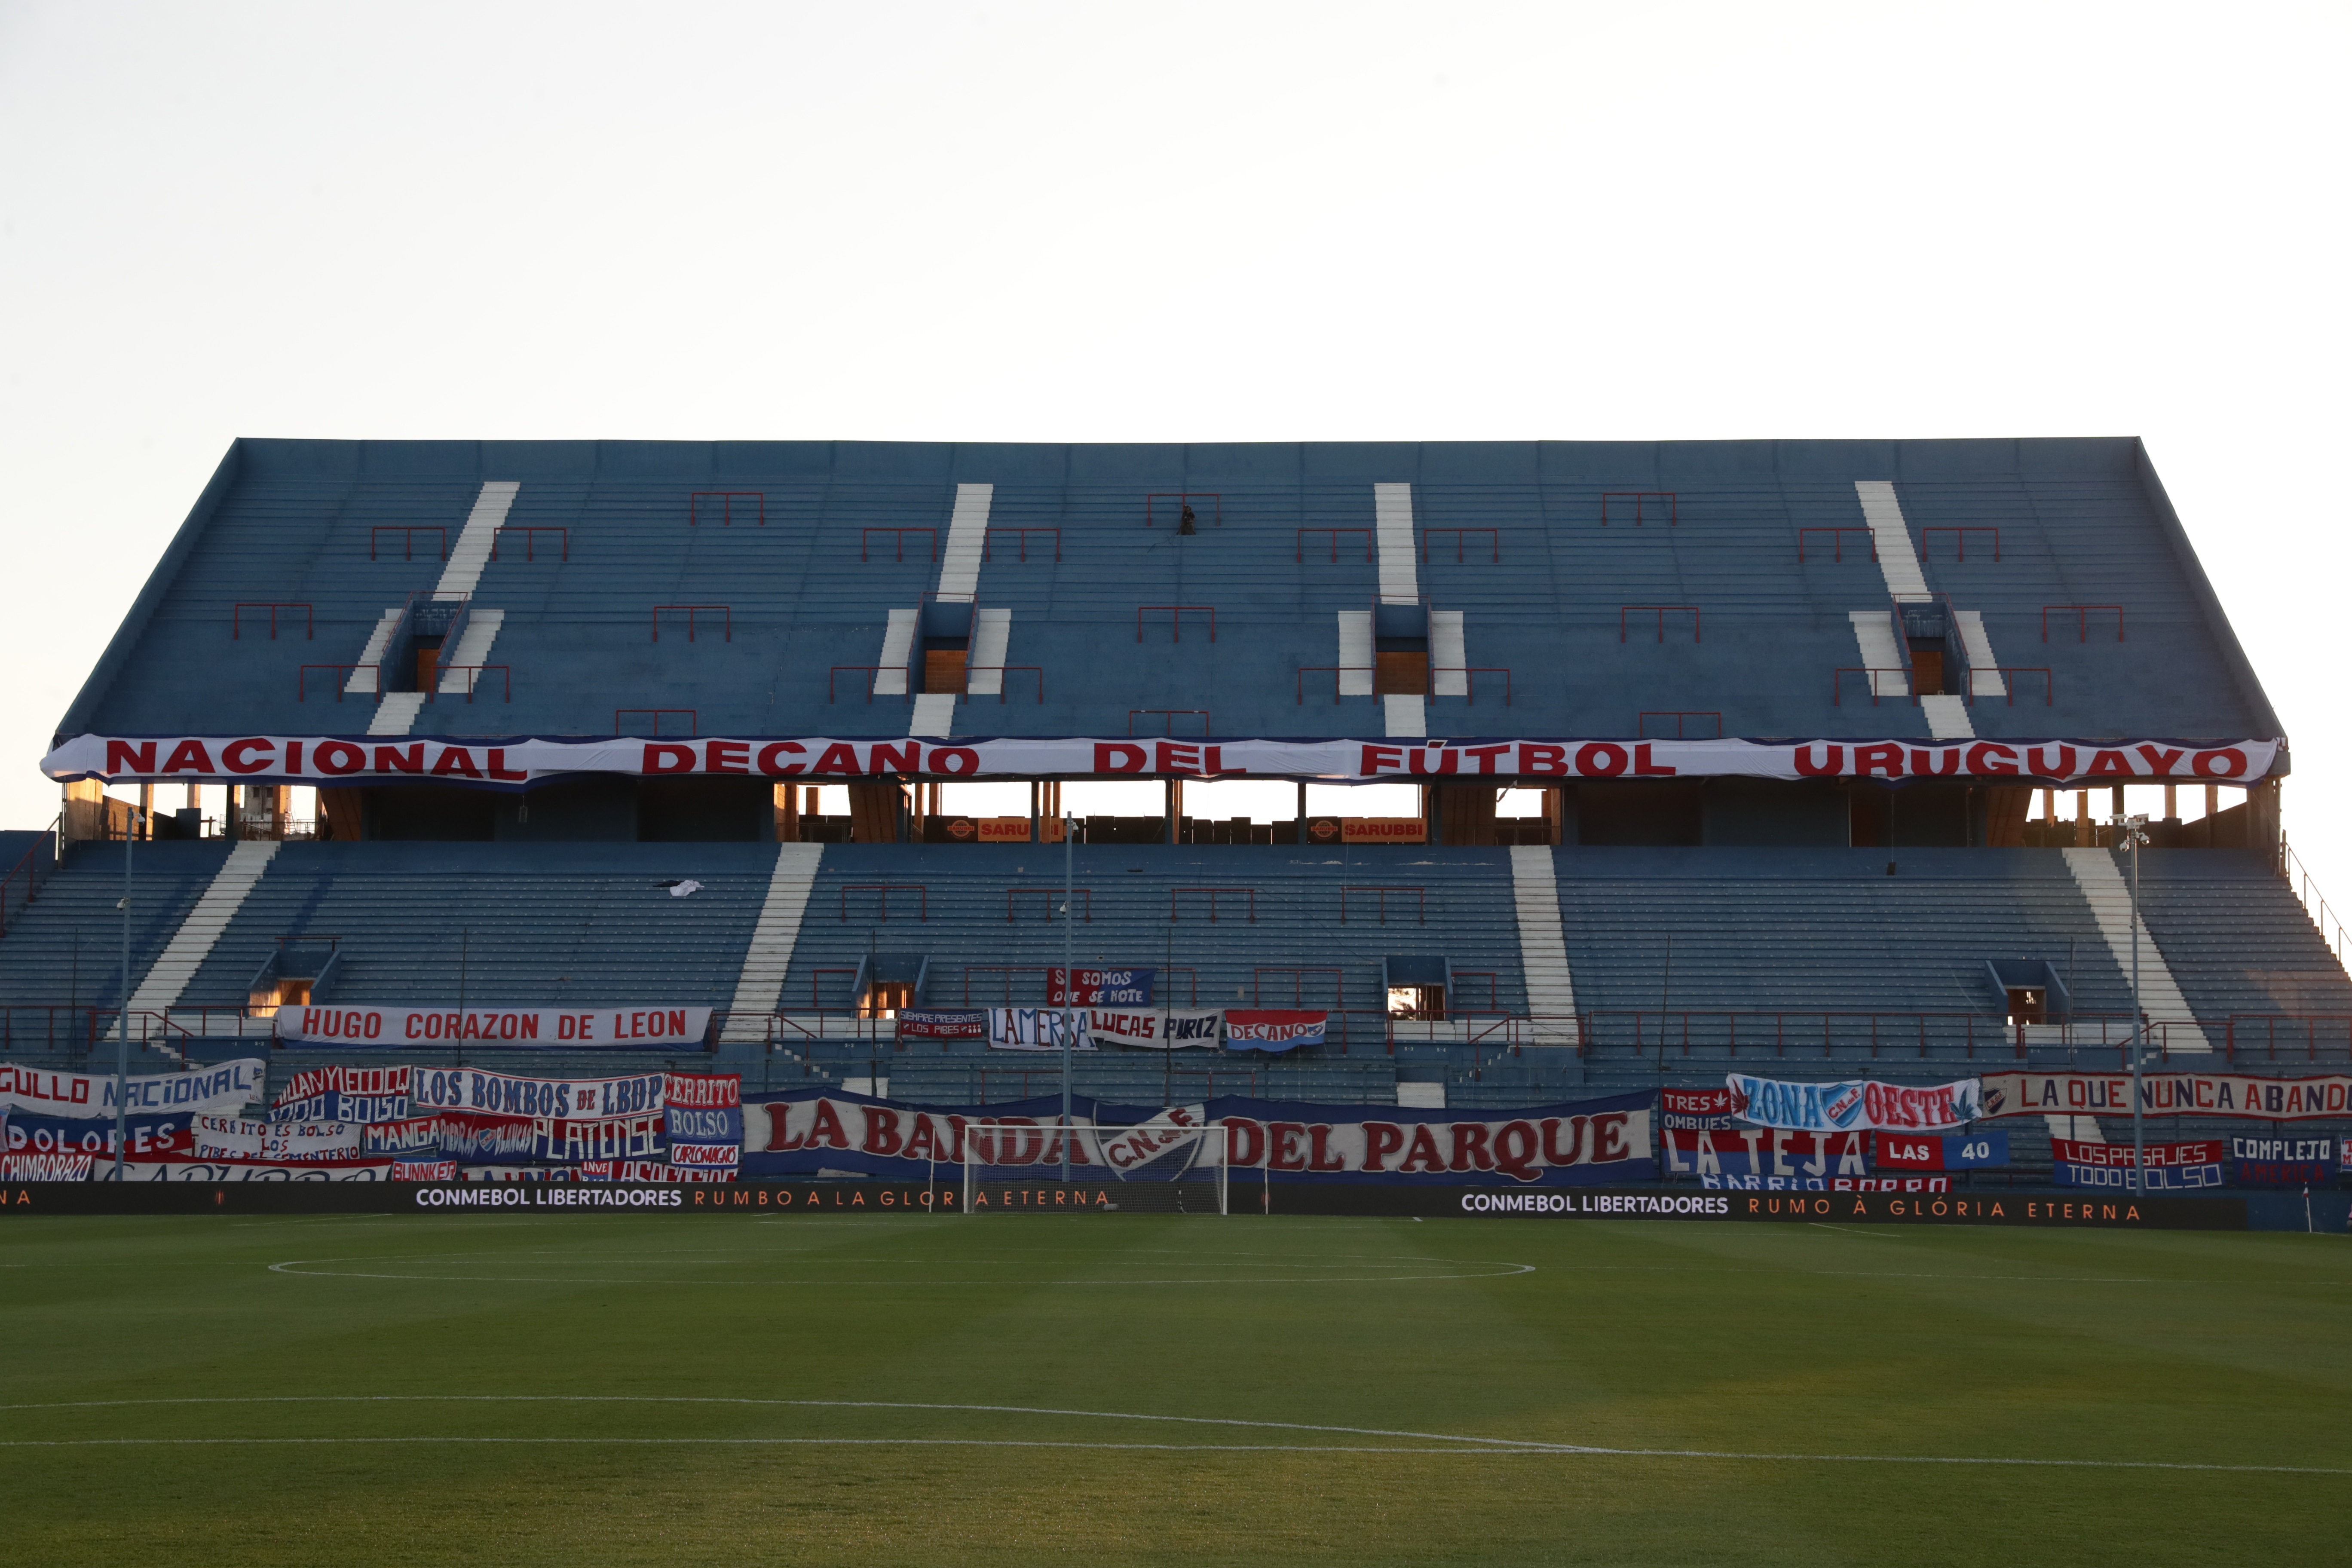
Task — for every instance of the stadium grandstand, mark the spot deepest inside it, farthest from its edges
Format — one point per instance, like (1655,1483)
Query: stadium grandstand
(1531,771)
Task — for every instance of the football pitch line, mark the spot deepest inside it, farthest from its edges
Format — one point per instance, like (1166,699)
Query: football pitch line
(1455,1445)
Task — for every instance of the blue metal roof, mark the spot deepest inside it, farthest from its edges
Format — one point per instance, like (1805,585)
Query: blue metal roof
(1513,533)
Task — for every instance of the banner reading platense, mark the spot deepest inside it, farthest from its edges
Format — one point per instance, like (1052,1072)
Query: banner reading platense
(515,761)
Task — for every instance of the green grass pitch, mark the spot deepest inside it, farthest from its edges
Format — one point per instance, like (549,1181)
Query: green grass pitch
(1030,1390)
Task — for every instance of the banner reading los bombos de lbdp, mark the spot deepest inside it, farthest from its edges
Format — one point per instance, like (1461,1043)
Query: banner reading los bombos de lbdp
(217,1091)
(1854,1104)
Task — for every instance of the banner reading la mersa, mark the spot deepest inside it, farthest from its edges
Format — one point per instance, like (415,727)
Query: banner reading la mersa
(515,761)
(806,1131)
(363,1025)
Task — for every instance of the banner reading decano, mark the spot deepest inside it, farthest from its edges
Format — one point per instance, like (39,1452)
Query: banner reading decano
(517,761)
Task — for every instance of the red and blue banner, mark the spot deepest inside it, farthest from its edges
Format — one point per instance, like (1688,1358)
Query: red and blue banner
(1273,1029)
(1774,1154)
(1099,987)
(2284,1162)
(1854,1104)
(2171,1167)
(1942,1152)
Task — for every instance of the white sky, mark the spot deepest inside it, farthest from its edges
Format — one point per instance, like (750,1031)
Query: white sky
(1172,222)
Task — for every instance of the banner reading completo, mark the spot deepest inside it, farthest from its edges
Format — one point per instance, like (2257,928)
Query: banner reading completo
(2167,1093)
(2171,1167)
(513,762)
(1854,1104)
(213,1091)
(1172,1030)
(2284,1162)
(360,1026)
(804,1131)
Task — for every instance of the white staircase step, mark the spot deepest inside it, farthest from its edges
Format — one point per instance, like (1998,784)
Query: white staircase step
(2107,893)
(760,987)
(193,942)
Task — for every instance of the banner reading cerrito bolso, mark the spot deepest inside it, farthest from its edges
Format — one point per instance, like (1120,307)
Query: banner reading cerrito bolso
(1853,1105)
(514,762)
(363,1026)
(808,1132)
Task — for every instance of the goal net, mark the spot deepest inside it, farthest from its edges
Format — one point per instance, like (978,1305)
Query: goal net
(1172,1164)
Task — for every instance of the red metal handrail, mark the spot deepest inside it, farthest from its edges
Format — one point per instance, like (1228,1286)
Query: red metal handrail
(2081,620)
(302,679)
(1298,547)
(1420,893)
(1963,531)
(988,537)
(727,500)
(1169,727)
(1697,626)
(1872,672)
(1299,974)
(1494,535)
(409,531)
(1212,892)
(691,611)
(1049,895)
(1179,497)
(2050,684)
(1642,723)
(1001,670)
(886,890)
(530,532)
(1837,540)
(309,617)
(474,673)
(1473,671)
(871,671)
(866,537)
(693,717)
(1640,498)
(1334,672)
(1176,619)
(28,865)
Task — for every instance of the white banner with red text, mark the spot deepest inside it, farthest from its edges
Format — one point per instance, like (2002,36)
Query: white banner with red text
(519,760)
(2167,1093)
(366,1026)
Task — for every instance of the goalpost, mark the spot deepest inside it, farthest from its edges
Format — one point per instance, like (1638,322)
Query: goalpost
(1186,1171)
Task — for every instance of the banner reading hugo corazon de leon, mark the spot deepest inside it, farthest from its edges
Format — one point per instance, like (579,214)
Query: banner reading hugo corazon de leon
(217,1090)
(1173,1029)
(2171,1167)
(2170,1093)
(360,1026)
(515,763)
(801,1132)
(1854,1104)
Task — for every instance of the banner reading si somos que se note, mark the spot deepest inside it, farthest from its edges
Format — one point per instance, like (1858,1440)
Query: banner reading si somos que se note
(360,1025)
(515,761)
(803,1132)
(1854,1104)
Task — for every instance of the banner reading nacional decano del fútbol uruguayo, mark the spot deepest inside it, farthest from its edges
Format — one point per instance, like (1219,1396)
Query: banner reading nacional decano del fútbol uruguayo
(802,1133)
(519,761)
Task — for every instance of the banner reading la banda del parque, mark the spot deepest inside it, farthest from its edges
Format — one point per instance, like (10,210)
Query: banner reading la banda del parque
(519,761)
(802,1132)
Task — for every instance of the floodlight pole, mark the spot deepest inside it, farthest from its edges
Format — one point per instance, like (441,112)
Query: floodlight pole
(2129,834)
(122,1019)
(1069,983)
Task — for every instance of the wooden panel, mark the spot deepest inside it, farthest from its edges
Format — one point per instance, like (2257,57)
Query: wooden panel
(943,670)
(1401,674)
